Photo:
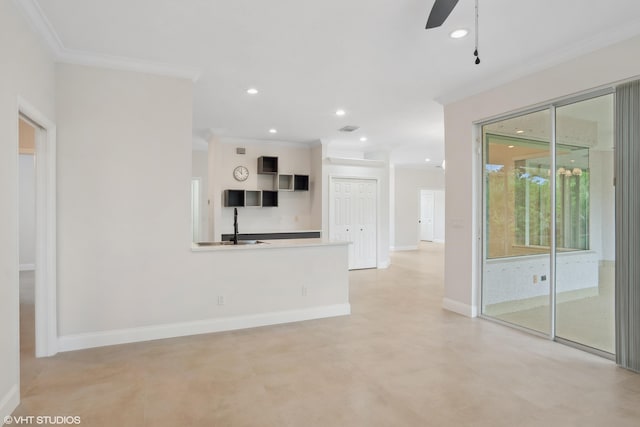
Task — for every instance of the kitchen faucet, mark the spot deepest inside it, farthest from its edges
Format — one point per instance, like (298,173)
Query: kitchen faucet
(235,226)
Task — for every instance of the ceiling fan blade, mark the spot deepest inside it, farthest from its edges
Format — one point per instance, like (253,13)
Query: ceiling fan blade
(439,13)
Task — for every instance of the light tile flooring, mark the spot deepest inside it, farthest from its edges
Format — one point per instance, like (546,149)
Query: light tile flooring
(587,320)
(398,360)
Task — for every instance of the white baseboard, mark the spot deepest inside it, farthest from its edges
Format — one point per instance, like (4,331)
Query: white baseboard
(27,267)
(9,402)
(459,307)
(405,248)
(438,240)
(384,264)
(148,333)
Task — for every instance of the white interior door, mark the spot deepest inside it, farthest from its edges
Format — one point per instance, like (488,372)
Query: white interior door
(427,200)
(353,217)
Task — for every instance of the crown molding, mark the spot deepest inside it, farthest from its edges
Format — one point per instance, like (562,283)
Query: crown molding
(232,140)
(343,161)
(42,26)
(573,51)
(78,57)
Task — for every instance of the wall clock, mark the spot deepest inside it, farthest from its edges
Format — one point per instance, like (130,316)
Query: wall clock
(241,173)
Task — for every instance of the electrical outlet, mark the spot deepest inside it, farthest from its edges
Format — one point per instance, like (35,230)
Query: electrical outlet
(535,279)
(221,300)
(543,278)
(304,291)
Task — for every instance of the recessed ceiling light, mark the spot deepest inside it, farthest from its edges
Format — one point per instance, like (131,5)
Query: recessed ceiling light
(252,91)
(427,160)
(273,131)
(459,33)
(519,131)
(363,139)
(340,112)
(511,146)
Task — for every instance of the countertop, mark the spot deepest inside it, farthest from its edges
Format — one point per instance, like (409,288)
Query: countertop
(271,244)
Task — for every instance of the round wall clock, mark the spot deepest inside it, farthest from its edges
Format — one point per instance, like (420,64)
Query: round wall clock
(241,173)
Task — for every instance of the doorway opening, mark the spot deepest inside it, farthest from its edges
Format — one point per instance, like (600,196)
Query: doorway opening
(37,234)
(27,132)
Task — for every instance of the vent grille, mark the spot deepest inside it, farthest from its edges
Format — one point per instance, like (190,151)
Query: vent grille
(241,150)
(349,128)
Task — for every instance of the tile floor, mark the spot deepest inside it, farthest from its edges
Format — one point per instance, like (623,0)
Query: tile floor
(398,360)
(589,321)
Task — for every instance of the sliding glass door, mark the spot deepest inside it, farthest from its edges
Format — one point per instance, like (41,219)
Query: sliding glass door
(585,219)
(517,197)
(549,221)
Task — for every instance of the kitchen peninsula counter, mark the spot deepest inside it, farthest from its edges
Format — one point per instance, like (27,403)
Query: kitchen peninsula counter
(270,244)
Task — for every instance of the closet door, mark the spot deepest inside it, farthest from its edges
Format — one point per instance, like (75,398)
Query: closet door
(353,217)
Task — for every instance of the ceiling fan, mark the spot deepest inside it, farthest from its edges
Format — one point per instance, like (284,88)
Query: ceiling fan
(440,12)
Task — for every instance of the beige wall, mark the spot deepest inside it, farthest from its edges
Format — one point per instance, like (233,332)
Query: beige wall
(407,185)
(27,71)
(124,171)
(462,151)
(200,170)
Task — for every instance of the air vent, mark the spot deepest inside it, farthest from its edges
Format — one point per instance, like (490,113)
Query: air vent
(349,128)
(241,150)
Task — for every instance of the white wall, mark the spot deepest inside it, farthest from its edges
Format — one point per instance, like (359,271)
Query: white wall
(462,228)
(439,216)
(124,179)
(294,208)
(27,219)
(316,186)
(27,71)
(407,184)
(200,170)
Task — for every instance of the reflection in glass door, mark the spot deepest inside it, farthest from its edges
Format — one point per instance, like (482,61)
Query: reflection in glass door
(549,222)
(517,207)
(585,223)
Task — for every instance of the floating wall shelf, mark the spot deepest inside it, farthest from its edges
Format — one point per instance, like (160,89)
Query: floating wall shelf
(301,182)
(267,165)
(250,198)
(285,182)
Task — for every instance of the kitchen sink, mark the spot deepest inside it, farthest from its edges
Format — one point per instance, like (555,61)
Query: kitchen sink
(229,243)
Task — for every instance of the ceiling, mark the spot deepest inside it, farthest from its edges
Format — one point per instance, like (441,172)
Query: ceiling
(372,58)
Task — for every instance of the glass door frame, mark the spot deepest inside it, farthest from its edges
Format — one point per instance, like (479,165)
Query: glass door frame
(482,217)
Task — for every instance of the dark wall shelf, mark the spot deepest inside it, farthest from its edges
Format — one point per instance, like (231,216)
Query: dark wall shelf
(269,198)
(301,182)
(234,198)
(267,165)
